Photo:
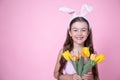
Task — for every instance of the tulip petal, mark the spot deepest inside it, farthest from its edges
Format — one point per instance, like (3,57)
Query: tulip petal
(99,58)
(92,56)
(66,55)
(86,51)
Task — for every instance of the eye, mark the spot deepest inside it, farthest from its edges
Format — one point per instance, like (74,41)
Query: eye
(75,30)
(84,30)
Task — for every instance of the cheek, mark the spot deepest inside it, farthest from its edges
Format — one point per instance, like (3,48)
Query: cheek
(73,33)
(86,34)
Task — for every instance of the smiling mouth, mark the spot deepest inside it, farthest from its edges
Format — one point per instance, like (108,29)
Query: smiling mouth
(79,38)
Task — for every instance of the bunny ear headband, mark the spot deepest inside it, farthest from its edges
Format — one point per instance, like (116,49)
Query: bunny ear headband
(85,9)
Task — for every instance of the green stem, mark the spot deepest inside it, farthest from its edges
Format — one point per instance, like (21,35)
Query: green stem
(80,66)
(74,65)
(88,66)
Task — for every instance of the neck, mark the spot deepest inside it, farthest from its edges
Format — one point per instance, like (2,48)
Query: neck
(77,47)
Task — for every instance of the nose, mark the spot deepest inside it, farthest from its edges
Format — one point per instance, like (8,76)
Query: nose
(79,33)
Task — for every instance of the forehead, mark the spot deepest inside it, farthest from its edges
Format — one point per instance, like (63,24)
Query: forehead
(79,25)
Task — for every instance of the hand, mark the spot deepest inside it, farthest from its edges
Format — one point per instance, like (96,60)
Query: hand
(76,77)
(88,76)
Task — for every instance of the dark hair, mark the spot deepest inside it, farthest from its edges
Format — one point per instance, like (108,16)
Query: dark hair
(68,45)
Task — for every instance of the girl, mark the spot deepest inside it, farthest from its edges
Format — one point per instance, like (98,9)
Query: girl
(79,35)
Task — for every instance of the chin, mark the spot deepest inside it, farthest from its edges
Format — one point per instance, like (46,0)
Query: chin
(80,43)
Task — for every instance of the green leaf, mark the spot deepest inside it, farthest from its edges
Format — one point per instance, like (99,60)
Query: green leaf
(88,66)
(80,66)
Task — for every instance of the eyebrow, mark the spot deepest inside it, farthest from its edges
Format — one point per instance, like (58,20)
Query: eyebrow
(84,28)
(74,28)
(77,28)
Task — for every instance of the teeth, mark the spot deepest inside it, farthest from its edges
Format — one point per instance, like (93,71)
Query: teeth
(79,38)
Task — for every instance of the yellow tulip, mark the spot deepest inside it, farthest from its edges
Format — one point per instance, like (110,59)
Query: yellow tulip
(66,55)
(74,57)
(83,54)
(99,58)
(86,51)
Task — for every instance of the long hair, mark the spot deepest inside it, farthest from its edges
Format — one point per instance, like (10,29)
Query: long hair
(68,45)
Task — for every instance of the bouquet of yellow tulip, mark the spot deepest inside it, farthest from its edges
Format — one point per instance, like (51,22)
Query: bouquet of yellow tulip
(78,62)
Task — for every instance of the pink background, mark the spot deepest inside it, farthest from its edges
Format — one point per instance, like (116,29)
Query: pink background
(33,31)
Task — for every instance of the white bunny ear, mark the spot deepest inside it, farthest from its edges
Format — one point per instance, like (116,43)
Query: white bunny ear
(67,10)
(85,10)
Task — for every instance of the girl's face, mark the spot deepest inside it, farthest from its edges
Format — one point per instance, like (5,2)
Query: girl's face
(79,32)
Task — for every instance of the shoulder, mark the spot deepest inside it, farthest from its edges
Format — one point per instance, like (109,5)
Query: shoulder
(60,54)
(60,51)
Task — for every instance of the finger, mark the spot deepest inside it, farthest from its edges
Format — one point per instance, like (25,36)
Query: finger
(76,77)
(90,72)
(87,77)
